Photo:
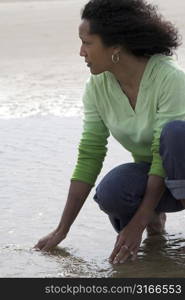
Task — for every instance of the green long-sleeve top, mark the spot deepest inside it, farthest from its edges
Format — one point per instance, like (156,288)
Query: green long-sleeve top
(161,99)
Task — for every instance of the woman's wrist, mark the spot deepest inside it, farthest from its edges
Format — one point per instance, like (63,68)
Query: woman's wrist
(142,218)
(61,231)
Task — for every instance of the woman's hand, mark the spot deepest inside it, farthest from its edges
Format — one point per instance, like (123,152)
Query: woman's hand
(50,241)
(127,244)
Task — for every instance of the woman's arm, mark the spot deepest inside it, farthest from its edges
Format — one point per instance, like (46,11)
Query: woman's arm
(78,193)
(153,193)
(129,238)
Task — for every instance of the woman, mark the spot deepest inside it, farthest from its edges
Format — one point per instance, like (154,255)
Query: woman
(137,93)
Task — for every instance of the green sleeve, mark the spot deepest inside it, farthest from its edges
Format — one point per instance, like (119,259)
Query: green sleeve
(171,106)
(92,148)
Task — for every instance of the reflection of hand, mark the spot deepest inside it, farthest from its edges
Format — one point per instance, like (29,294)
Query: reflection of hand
(127,244)
(50,241)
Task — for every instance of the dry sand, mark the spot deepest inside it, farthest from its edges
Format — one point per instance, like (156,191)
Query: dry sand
(29,30)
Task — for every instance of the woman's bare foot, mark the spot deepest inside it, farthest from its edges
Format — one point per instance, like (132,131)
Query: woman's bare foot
(157,225)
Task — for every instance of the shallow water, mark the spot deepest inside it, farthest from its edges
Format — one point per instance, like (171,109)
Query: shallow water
(157,258)
(37,159)
(40,109)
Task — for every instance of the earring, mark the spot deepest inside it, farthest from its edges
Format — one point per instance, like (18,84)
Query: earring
(115,58)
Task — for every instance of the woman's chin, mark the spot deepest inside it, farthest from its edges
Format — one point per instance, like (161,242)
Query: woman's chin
(95,72)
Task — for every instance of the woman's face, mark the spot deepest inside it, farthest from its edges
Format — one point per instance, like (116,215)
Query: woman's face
(97,56)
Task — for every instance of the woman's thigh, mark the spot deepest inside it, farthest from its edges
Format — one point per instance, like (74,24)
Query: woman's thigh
(122,189)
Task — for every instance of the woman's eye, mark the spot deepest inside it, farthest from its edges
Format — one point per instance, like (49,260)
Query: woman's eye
(85,43)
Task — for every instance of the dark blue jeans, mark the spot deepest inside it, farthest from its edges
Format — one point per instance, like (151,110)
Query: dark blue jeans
(121,191)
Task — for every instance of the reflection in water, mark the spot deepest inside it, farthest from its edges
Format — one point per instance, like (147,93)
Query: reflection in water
(159,256)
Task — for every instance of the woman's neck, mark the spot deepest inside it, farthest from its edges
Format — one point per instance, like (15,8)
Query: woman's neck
(129,70)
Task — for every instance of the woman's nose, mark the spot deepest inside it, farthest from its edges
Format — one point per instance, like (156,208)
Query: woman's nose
(82,52)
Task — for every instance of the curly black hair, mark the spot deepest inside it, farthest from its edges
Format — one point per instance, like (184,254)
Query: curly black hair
(133,24)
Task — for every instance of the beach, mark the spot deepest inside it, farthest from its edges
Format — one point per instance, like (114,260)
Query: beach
(42,80)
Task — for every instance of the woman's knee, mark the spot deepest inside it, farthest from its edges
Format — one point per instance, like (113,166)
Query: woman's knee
(122,188)
(172,136)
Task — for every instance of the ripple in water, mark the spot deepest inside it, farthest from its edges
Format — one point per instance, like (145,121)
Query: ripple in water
(159,256)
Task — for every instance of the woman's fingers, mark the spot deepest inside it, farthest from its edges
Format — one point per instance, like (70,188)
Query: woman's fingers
(45,245)
(39,245)
(122,252)
(114,252)
(50,241)
(127,244)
